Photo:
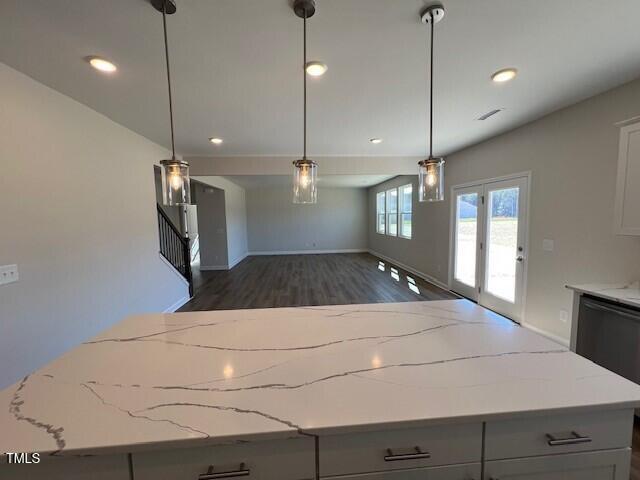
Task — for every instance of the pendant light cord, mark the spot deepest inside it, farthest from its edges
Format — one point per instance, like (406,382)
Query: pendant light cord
(431,91)
(166,54)
(304,74)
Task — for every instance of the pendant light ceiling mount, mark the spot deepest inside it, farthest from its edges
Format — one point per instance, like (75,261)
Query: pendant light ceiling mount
(160,5)
(303,8)
(435,11)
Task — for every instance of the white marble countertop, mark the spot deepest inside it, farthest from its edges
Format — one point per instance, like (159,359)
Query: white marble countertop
(626,293)
(165,380)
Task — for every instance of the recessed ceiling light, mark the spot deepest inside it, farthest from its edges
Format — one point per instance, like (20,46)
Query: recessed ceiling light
(504,75)
(101,64)
(316,69)
(375,141)
(216,141)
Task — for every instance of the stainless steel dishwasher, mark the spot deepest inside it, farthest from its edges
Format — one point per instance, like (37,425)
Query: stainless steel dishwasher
(609,335)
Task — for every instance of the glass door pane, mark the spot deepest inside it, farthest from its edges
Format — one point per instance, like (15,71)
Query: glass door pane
(502,243)
(466,238)
(466,226)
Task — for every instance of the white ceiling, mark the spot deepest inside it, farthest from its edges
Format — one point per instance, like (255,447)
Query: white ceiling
(326,181)
(236,67)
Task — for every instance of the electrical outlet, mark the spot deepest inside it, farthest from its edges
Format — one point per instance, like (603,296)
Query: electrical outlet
(548,245)
(8,274)
(564,316)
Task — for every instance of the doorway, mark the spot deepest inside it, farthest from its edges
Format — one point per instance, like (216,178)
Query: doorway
(489,232)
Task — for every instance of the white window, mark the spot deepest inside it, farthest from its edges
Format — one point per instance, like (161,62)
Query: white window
(406,202)
(392,212)
(380,212)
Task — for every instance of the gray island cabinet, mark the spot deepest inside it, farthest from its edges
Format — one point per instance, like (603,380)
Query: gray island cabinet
(442,390)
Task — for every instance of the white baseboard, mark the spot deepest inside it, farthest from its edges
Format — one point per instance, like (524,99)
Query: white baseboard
(233,263)
(214,267)
(224,267)
(562,341)
(308,252)
(418,273)
(177,305)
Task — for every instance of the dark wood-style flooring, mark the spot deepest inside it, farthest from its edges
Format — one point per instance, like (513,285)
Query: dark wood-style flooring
(306,280)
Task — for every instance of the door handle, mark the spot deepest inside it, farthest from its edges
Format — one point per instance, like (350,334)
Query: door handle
(242,472)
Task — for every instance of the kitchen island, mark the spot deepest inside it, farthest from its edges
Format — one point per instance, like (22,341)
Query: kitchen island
(421,390)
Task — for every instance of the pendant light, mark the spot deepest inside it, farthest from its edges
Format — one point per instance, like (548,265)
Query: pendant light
(431,170)
(176,187)
(304,170)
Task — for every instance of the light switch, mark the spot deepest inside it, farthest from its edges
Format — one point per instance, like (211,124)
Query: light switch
(547,245)
(8,274)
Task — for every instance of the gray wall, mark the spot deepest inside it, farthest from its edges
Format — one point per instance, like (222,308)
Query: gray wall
(79,218)
(572,155)
(211,226)
(337,222)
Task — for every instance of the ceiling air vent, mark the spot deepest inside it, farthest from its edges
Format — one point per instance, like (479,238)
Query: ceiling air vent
(490,114)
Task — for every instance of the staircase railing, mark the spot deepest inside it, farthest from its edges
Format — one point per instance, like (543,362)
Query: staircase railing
(175,248)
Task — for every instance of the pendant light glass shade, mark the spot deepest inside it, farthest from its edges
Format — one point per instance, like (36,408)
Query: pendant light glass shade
(431,180)
(305,181)
(176,186)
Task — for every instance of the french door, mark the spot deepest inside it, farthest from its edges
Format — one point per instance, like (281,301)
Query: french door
(489,232)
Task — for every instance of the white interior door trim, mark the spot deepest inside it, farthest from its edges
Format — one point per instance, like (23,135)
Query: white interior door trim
(478,183)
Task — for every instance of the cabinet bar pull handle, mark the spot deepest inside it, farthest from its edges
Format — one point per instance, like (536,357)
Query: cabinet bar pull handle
(618,310)
(390,457)
(242,472)
(574,439)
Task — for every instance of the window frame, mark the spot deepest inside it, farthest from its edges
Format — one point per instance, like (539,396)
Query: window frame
(402,211)
(388,212)
(383,212)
